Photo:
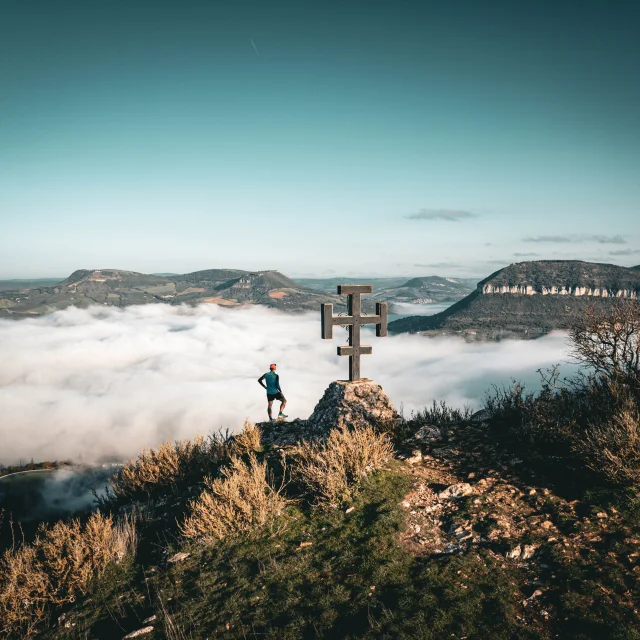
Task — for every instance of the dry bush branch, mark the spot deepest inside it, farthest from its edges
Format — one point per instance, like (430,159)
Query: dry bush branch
(333,468)
(242,502)
(613,447)
(24,593)
(60,565)
(247,441)
(608,340)
(73,555)
(171,463)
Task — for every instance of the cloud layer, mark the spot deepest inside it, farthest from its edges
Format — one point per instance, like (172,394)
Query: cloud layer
(600,239)
(450,215)
(104,382)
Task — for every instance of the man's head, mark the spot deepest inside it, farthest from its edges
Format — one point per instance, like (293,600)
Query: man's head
(272,367)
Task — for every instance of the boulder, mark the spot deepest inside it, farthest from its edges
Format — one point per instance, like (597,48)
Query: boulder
(351,404)
(427,434)
(455,491)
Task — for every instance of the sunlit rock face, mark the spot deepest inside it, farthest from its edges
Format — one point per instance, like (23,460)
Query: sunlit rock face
(352,404)
(564,278)
(560,290)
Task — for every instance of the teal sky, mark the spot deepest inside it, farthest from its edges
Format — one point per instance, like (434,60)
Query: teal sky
(356,138)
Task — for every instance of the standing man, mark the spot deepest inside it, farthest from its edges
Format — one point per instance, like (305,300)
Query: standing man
(274,392)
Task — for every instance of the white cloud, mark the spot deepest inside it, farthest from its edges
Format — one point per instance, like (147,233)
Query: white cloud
(108,382)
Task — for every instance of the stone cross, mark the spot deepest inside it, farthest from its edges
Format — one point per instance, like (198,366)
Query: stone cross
(354,320)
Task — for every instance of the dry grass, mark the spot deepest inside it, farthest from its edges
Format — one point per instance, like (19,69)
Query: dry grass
(242,502)
(331,470)
(247,441)
(613,447)
(171,463)
(60,565)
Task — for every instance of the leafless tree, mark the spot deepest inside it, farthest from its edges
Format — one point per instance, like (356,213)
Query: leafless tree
(607,340)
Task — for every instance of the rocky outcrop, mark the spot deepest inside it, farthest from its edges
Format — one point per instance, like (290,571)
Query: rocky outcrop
(344,403)
(352,404)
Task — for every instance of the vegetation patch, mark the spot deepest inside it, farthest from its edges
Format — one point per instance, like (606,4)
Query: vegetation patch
(242,502)
(332,470)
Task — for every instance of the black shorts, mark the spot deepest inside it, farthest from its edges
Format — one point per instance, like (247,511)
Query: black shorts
(275,396)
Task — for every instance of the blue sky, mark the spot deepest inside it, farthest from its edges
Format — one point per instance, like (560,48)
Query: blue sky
(317,138)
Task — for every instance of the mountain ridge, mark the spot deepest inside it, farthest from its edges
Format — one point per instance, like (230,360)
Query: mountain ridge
(529,299)
(119,287)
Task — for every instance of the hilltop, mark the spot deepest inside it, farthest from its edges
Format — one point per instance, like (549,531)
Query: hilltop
(529,299)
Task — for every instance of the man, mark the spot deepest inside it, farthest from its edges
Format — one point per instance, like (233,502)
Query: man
(274,392)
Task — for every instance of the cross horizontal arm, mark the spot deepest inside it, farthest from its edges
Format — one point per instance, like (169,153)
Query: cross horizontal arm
(345,320)
(365,350)
(354,288)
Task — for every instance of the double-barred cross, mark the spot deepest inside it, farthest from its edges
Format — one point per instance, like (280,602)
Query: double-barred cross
(354,320)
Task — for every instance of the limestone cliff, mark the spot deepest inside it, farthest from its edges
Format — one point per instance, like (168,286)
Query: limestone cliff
(565,278)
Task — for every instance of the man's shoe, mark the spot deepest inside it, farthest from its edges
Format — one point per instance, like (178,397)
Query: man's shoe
(281,415)
(271,420)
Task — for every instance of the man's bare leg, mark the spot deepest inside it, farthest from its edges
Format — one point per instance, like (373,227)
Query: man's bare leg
(283,404)
(269,409)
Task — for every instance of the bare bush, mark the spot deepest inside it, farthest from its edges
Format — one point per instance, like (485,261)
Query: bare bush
(242,502)
(332,469)
(170,464)
(613,447)
(608,340)
(247,441)
(74,554)
(61,564)
(24,593)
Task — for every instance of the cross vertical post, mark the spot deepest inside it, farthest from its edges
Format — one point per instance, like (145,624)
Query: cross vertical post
(354,321)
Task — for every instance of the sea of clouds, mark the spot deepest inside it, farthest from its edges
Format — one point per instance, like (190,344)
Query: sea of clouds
(103,383)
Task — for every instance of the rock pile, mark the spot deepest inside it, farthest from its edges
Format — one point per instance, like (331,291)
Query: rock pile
(352,404)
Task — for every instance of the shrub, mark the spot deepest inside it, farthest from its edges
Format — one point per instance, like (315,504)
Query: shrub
(332,469)
(607,341)
(24,593)
(613,446)
(61,564)
(171,464)
(441,414)
(74,554)
(247,441)
(242,502)
(591,420)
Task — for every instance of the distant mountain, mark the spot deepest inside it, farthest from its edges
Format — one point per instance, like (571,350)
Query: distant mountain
(427,290)
(13,285)
(529,299)
(422,290)
(115,287)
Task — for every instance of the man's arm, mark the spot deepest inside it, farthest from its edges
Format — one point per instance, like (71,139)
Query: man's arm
(261,381)
(278,382)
